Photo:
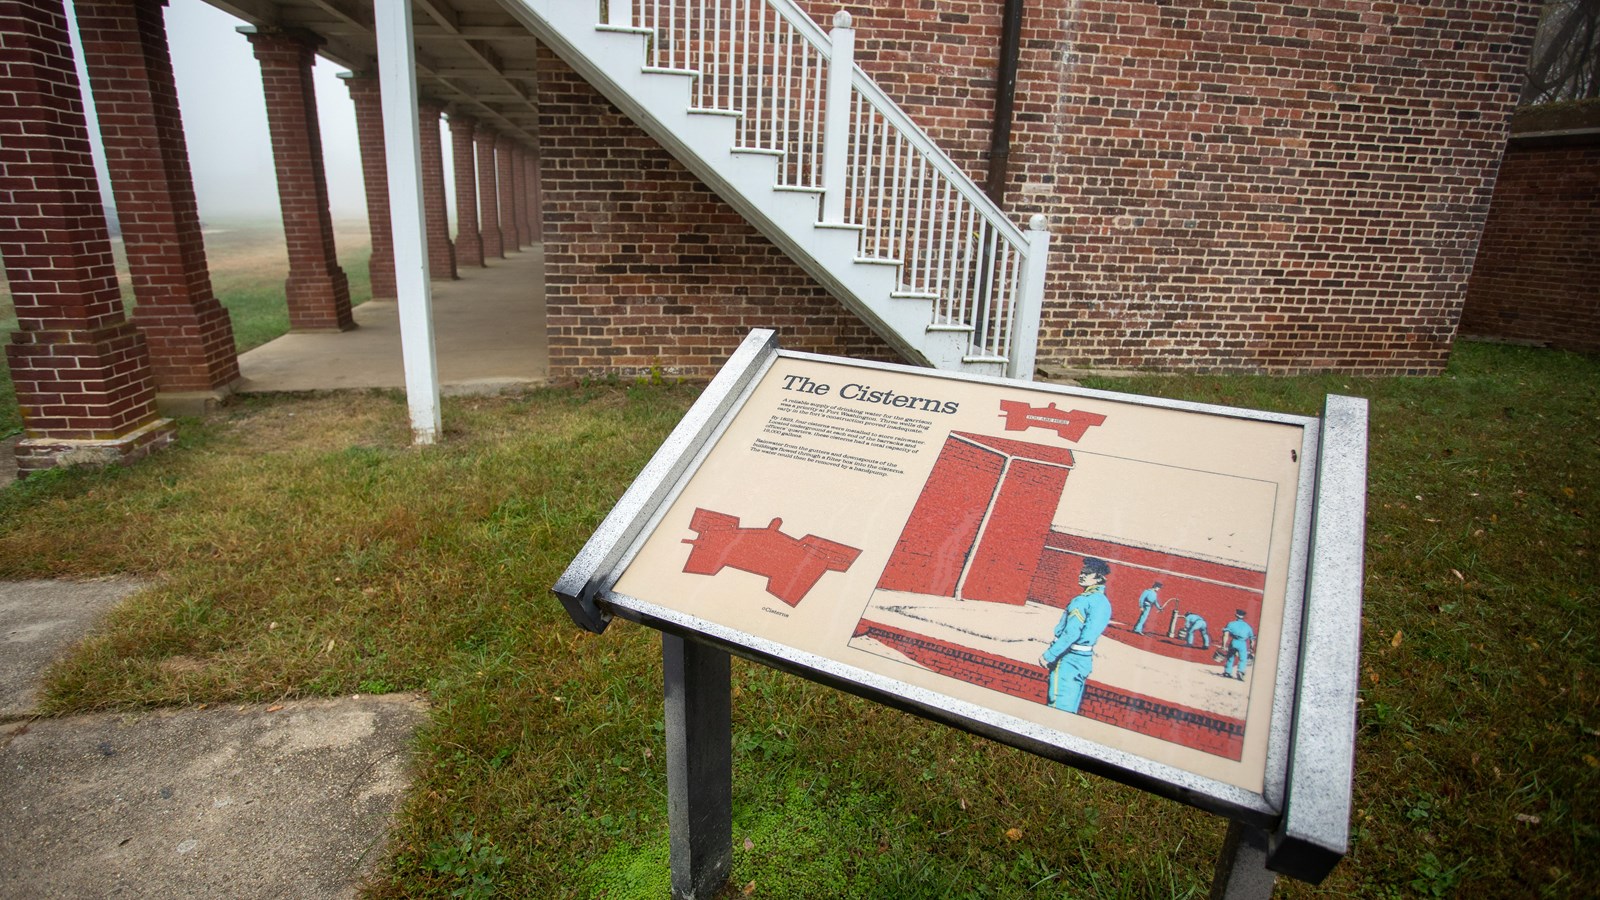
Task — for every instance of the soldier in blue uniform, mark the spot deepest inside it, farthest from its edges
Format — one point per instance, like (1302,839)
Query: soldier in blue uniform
(1194,625)
(1070,657)
(1147,604)
(1241,640)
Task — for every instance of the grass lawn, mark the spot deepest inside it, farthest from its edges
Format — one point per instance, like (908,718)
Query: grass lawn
(305,549)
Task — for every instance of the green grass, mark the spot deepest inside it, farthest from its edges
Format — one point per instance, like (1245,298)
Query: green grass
(305,549)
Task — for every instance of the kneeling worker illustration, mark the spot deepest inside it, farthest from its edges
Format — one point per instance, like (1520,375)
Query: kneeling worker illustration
(1070,657)
(1194,626)
(1241,639)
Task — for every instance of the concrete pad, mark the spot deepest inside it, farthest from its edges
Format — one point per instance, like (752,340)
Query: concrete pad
(489,336)
(38,621)
(290,801)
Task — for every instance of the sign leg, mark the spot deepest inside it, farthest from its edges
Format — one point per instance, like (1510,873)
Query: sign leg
(699,766)
(1242,872)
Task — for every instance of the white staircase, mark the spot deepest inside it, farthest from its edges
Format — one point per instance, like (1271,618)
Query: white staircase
(762,106)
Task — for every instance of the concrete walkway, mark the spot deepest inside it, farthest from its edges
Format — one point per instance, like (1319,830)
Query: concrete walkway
(489,336)
(282,800)
(290,800)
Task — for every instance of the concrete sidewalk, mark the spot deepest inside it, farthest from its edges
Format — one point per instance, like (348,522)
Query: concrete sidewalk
(489,336)
(290,800)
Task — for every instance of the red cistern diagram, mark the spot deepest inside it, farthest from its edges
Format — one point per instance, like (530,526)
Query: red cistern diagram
(1069,424)
(792,566)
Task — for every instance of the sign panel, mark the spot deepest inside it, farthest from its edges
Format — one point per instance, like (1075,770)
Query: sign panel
(1111,568)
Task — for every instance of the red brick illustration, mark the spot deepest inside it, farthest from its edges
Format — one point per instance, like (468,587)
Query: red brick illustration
(1216,734)
(1070,424)
(792,566)
(1212,589)
(979,526)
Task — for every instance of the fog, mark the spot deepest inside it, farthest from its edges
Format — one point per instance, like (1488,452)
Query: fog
(225,121)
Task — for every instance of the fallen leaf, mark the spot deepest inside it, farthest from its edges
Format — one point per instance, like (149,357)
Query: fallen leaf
(1526,819)
(1458,575)
(963,804)
(1395,641)
(1013,834)
(1593,763)
(749,844)
(749,889)
(275,707)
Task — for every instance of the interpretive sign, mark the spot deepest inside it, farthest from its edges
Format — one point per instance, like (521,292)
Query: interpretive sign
(1114,581)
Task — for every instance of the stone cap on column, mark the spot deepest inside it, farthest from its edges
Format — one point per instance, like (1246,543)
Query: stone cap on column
(310,39)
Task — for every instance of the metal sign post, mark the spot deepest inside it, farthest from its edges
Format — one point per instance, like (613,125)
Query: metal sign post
(986,553)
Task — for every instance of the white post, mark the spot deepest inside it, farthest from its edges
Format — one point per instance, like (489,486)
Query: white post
(619,13)
(397,79)
(1025,322)
(836,127)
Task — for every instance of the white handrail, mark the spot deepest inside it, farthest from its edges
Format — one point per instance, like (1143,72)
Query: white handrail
(768,63)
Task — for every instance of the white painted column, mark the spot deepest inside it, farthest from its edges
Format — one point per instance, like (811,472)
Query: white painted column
(1025,324)
(397,78)
(836,125)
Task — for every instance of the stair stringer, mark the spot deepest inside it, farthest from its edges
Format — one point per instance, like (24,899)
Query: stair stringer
(612,60)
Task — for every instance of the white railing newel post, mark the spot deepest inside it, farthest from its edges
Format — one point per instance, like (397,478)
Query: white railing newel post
(1025,326)
(619,13)
(836,127)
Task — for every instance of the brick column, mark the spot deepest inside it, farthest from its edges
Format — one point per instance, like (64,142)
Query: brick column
(505,167)
(488,195)
(368,99)
(535,194)
(317,290)
(469,240)
(188,332)
(441,253)
(519,194)
(81,369)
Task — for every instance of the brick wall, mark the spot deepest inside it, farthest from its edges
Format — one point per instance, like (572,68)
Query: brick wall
(1538,266)
(1243,186)
(81,370)
(645,266)
(933,545)
(189,334)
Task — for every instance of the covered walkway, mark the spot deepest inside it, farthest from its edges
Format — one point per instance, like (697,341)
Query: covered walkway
(489,335)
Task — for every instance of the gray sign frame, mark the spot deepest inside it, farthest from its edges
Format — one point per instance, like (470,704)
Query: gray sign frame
(1298,825)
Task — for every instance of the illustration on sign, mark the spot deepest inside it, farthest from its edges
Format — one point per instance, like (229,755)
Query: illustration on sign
(979,562)
(1100,567)
(791,566)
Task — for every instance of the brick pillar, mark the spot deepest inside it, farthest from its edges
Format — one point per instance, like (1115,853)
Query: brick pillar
(317,290)
(441,253)
(488,195)
(368,99)
(189,334)
(505,167)
(81,369)
(469,240)
(535,194)
(519,194)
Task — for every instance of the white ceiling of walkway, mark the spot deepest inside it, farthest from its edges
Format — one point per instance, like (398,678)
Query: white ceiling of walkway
(471,54)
